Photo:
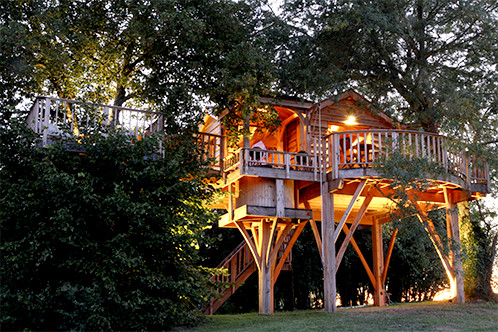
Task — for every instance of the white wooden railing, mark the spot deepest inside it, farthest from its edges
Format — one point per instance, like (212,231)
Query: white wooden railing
(287,161)
(361,148)
(54,118)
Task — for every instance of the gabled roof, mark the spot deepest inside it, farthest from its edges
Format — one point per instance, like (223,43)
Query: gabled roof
(348,102)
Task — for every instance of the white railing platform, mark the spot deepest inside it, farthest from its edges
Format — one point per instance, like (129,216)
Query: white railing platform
(55,118)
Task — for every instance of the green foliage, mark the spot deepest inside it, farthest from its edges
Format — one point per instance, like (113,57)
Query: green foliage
(415,272)
(479,240)
(420,57)
(168,55)
(102,239)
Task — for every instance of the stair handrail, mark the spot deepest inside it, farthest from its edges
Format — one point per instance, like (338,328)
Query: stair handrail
(231,255)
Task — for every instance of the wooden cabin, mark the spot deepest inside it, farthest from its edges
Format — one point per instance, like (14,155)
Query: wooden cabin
(318,167)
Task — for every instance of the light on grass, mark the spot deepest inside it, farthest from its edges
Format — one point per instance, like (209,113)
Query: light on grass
(443,295)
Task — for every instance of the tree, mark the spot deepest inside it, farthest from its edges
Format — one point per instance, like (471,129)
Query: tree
(167,55)
(430,63)
(103,239)
(480,240)
(425,53)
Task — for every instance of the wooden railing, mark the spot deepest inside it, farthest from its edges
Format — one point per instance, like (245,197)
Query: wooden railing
(355,149)
(212,149)
(235,264)
(240,265)
(248,157)
(56,117)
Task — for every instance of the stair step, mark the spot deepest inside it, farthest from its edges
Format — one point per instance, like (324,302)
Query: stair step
(240,266)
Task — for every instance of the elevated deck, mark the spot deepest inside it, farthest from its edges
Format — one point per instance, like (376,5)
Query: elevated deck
(340,158)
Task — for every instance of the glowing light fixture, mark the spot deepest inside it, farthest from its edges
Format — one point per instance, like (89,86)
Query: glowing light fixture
(351,120)
(333,128)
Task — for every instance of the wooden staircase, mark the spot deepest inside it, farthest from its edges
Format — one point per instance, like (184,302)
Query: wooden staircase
(240,266)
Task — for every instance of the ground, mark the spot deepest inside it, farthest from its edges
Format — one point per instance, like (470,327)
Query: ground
(433,316)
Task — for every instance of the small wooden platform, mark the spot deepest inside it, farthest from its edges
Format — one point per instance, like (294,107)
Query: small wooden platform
(251,213)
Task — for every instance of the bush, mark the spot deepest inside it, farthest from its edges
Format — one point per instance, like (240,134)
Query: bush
(101,239)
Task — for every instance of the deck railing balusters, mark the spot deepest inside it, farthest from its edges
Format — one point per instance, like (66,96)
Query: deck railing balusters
(46,121)
(352,149)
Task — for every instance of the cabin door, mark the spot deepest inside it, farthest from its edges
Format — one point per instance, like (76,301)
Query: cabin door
(291,143)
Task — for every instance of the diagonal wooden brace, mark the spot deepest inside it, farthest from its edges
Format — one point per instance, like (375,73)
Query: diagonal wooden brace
(362,258)
(388,256)
(349,235)
(436,240)
(286,253)
(346,214)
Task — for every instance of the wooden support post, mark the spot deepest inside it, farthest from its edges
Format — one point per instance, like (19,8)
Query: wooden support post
(265,285)
(268,237)
(457,255)
(280,197)
(388,256)
(378,263)
(328,250)
(453,230)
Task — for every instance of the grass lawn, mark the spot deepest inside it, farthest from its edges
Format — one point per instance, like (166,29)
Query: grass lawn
(427,316)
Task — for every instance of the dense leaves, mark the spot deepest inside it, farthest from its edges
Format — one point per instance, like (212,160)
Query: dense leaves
(102,239)
(169,55)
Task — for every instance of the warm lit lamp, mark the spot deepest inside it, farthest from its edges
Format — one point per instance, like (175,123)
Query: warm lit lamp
(333,128)
(351,120)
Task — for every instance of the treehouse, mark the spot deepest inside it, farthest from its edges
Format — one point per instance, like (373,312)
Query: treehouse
(323,164)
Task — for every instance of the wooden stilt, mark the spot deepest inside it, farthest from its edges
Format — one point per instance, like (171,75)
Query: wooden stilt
(328,243)
(268,237)
(455,256)
(378,263)
(265,284)
(388,256)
